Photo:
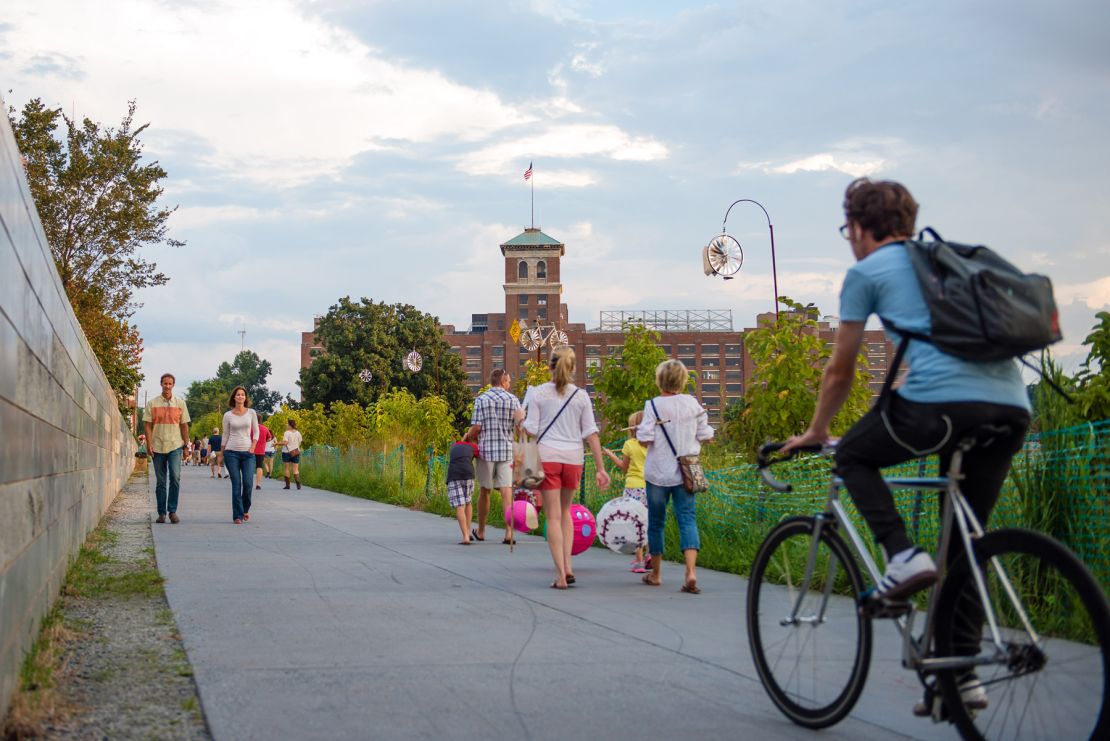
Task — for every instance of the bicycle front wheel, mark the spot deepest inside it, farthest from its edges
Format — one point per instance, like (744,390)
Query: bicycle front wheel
(1053,686)
(811,644)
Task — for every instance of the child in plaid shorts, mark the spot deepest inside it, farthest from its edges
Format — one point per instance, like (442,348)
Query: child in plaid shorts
(460,483)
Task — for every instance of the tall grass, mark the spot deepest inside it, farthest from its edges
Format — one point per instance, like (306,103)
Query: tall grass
(1058,485)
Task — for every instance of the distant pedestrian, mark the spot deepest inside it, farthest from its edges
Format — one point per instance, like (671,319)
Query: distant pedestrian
(495,414)
(460,483)
(674,424)
(561,415)
(203,453)
(215,454)
(264,437)
(631,461)
(291,453)
(196,451)
(166,422)
(240,432)
(268,463)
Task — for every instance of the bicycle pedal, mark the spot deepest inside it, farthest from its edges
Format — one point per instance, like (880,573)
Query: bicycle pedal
(874,606)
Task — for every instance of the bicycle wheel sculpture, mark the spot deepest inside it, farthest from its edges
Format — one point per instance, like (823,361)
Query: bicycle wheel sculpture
(414,362)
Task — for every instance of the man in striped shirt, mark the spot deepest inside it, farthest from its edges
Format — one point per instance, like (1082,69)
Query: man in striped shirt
(495,413)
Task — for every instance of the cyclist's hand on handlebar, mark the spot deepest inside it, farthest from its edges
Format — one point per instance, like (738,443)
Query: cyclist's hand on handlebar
(808,439)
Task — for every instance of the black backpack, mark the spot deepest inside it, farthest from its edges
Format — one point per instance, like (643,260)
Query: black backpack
(981,308)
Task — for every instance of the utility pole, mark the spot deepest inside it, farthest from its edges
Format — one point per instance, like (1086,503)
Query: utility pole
(242,340)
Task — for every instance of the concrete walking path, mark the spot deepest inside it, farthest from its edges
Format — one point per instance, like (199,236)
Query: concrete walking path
(331,617)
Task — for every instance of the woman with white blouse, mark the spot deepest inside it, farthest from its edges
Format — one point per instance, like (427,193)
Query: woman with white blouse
(562,415)
(674,424)
(240,434)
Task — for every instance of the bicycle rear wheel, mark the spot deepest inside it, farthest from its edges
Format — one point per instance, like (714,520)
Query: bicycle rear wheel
(813,666)
(1055,688)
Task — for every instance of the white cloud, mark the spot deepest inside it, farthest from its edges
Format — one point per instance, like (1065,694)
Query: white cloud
(280,97)
(821,162)
(1095,294)
(194,361)
(196,216)
(246,322)
(562,142)
(579,63)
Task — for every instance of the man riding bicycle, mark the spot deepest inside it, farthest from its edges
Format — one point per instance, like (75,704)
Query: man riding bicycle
(941,400)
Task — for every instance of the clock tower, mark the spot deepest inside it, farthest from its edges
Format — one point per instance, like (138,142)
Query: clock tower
(533,291)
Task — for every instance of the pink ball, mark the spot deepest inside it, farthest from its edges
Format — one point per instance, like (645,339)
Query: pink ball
(585,528)
(525,519)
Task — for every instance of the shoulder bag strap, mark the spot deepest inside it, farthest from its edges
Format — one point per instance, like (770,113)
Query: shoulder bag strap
(664,429)
(545,429)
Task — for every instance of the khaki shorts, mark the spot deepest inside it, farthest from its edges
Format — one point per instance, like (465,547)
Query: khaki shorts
(494,474)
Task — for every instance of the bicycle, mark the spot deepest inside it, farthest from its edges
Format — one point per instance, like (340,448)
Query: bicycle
(1026,622)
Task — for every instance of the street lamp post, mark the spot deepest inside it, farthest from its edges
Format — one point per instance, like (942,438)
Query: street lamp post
(771,229)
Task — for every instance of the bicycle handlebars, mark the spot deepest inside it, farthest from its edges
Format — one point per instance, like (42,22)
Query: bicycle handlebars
(764,463)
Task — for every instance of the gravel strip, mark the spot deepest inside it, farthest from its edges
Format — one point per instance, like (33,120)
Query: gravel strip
(125,673)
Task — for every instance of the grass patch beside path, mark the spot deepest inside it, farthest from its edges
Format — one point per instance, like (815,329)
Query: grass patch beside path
(110,638)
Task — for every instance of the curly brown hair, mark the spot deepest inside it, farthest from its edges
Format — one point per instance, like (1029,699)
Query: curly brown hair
(884,208)
(231,399)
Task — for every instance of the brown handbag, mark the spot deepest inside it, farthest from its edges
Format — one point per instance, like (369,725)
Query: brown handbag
(693,475)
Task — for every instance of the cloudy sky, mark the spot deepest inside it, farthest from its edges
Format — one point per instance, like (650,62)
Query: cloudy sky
(322,148)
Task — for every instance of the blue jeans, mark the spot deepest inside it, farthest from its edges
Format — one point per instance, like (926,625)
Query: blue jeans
(240,469)
(167,480)
(685,514)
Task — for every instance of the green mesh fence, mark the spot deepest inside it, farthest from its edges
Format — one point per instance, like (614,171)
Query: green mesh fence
(1059,485)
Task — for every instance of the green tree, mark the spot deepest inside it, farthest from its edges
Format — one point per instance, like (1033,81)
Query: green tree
(1093,378)
(99,206)
(376,336)
(535,373)
(351,424)
(248,370)
(624,384)
(788,356)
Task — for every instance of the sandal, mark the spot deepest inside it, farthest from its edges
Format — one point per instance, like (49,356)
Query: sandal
(464,542)
(570,579)
(555,585)
(650,582)
(474,535)
(691,587)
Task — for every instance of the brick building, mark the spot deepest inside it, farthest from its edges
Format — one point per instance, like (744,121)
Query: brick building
(702,339)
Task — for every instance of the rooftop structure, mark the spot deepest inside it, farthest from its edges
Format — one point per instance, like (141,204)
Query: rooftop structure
(669,320)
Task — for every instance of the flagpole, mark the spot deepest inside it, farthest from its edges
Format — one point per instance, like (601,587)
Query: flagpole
(532,180)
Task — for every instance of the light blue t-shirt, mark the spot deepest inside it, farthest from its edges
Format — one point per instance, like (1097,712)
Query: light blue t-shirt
(884,283)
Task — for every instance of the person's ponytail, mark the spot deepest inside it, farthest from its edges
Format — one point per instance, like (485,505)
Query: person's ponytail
(562,368)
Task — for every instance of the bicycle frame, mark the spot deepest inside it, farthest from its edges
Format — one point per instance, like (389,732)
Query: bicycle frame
(956,512)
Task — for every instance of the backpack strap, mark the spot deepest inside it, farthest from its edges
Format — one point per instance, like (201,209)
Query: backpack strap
(545,429)
(668,437)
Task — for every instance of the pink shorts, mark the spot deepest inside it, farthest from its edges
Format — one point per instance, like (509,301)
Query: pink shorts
(561,476)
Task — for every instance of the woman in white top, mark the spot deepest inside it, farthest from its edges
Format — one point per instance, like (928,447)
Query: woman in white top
(674,424)
(240,433)
(291,453)
(562,416)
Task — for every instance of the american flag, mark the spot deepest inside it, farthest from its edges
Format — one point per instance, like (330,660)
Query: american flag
(528,172)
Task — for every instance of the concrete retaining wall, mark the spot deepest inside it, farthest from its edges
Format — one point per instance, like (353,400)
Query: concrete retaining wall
(65,451)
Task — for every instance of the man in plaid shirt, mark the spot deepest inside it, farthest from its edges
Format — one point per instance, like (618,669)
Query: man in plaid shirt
(495,413)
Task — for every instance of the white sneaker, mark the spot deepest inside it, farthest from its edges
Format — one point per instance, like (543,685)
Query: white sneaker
(904,577)
(972,692)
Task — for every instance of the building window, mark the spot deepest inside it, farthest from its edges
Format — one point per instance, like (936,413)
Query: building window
(593,350)
(666,349)
(688,361)
(541,313)
(713,362)
(500,323)
(711,388)
(685,349)
(473,352)
(732,349)
(734,375)
(523,299)
(736,362)
(593,362)
(541,301)
(541,269)
(710,375)
(710,350)
(474,378)
(615,349)
(522,270)
(524,313)
(734,388)
(498,351)
(473,362)
(456,349)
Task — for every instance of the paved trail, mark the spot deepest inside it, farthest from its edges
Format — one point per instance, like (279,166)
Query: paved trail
(330,617)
